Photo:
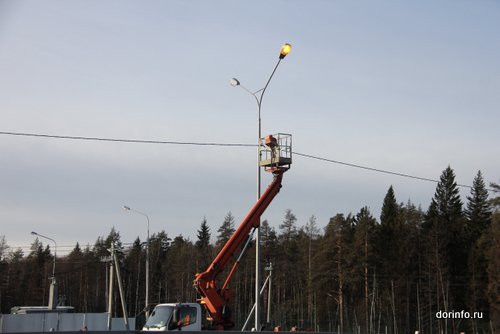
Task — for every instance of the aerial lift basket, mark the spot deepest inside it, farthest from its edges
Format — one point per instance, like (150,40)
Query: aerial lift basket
(275,151)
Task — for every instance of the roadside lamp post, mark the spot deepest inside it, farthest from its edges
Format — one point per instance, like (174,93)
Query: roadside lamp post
(259,95)
(53,284)
(126,208)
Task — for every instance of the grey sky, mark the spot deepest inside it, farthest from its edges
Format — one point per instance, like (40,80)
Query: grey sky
(410,87)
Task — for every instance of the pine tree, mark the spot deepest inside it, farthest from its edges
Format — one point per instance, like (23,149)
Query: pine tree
(204,254)
(181,270)
(495,202)
(478,210)
(38,278)
(389,216)
(478,214)
(135,276)
(364,235)
(14,288)
(446,248)
(72,283)
(446,203)
(225,231)
(493,256)
(269,242)
(203,235)
(289,225)
(287,265)
(331,277)
(76,253)
(492,235)
(312,232)
(389,238)
(159,245)
(411,265)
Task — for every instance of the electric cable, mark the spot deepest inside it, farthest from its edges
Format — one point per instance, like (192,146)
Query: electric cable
(141,141)
(375,169)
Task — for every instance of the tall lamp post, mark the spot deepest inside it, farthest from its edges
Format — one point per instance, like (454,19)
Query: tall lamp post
(53,284)
(126,208)
(259,95)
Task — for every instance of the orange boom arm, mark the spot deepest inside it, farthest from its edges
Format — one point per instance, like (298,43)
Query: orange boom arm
(216,299)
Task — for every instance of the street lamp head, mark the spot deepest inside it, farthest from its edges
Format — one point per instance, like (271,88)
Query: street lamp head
(126,208)
(234,82)
(34,233)
(285,49)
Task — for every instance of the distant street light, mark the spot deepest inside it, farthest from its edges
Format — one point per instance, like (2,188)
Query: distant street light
(284,51)
(55,252)
(53,285)
(126,208)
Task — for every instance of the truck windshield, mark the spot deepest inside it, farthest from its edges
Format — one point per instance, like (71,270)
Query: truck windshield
(159,317)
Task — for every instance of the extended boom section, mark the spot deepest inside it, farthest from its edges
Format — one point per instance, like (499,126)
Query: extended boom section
(213,298)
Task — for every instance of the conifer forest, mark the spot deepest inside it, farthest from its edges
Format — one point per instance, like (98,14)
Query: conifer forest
(432,270)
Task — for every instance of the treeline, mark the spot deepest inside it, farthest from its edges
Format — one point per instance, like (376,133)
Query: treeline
(435,271)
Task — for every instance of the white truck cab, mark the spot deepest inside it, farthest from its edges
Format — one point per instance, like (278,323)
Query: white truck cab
(174,316)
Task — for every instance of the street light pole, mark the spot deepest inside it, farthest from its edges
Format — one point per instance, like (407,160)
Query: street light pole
(53,284)
(147,257)
(285,49)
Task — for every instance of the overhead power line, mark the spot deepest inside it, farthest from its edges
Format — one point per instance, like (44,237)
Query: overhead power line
(374,169)
(141,141)
(378,170)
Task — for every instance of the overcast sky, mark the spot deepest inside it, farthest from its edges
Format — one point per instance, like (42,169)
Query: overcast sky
(409,87)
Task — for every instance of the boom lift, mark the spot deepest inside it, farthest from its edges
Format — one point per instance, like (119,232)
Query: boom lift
(275,157)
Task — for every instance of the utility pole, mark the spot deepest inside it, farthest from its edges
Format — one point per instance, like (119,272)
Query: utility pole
(270,269)
(113,261)
(120,287)
(110,294)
